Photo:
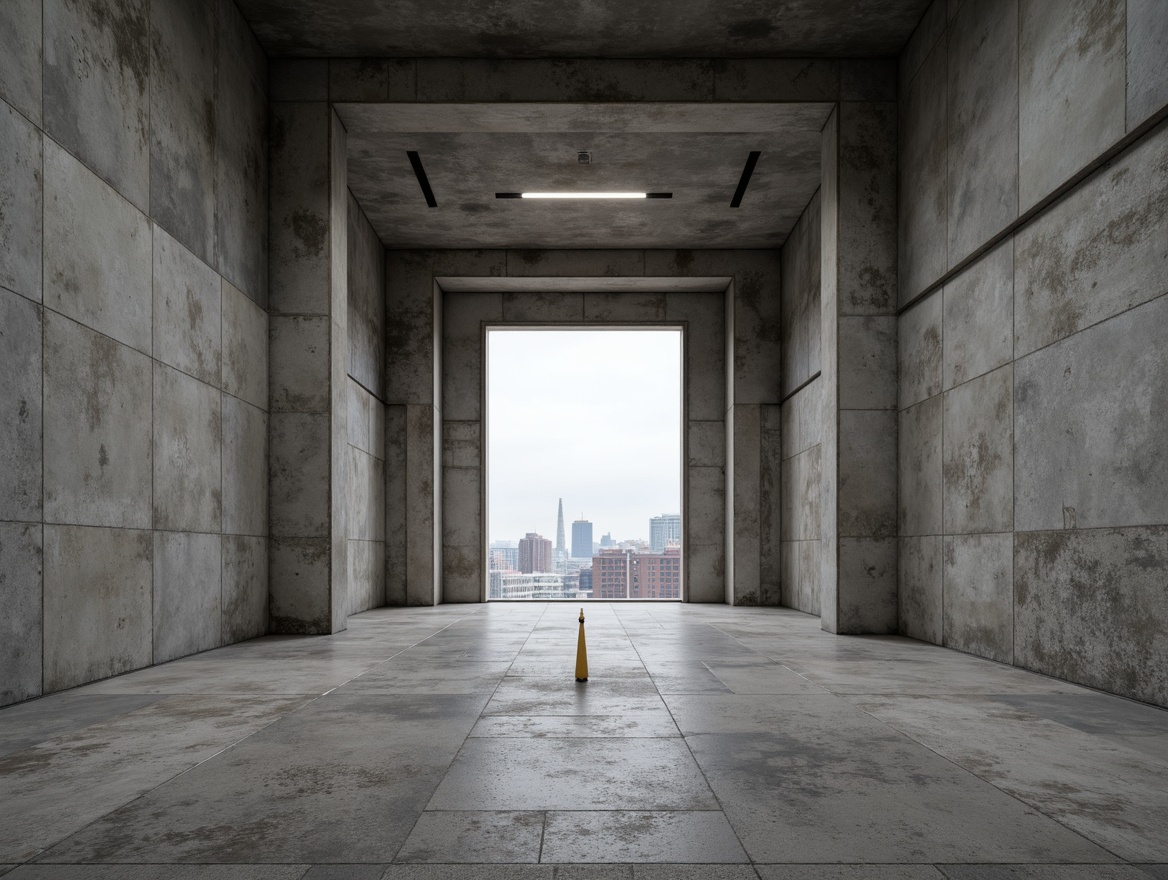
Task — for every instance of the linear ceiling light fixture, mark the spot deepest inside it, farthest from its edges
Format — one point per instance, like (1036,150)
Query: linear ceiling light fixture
(751,161)
(584,195)
(423,181)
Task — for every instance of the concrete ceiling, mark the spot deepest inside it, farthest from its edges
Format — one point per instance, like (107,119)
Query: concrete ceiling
(583,28)
(470,152)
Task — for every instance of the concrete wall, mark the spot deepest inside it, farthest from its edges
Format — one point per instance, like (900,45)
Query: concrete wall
(365,474)
(1034,217)
(133,337)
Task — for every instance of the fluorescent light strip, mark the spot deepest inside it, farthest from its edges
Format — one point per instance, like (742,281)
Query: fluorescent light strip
(583,195)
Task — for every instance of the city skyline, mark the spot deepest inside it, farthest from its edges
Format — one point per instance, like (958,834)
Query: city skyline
(613,455)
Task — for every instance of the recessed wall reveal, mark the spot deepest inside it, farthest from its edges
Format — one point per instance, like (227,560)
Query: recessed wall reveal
(423,181)
(583,195)
(744,180)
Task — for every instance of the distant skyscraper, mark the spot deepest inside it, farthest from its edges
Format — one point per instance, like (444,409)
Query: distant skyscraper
(606,541)
(662,530)
(560,528)
(581,539)
(535,554)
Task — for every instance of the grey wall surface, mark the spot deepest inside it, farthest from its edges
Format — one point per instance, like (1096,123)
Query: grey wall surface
(133,337)
(1032,448)
(365,474)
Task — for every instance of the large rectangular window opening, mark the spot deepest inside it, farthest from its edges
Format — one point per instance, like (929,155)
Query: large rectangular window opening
(584,463)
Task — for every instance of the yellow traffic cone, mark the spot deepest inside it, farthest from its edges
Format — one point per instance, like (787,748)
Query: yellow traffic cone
(581,653)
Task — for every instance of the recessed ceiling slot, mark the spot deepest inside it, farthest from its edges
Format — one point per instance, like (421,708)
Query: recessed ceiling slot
(423,181)
(744,180)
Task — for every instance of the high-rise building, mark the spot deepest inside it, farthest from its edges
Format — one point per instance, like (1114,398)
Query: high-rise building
(503,556)
(662,530)
(535,554)
(581,539)
(610,574)
(656,575)
(606,541)
(560,528)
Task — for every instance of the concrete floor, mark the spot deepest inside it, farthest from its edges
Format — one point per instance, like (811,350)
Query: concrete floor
(453,742)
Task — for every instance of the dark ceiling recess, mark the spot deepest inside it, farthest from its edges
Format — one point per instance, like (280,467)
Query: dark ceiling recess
(423,181)
(582,195)
(744,180)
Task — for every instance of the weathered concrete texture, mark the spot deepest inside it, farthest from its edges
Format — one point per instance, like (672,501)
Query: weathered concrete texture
(705,353)
(299,481)
(97,264)
(979,591)
(21,464)
(919,341)
(868,358)
(245,468)
(801,496)
(867,205)
(867,585)
(770,509)
(757,321)
(365,423)
(422,494)
(977,321)
(372,79)
(867,79)
(96,603)
(245,347)
(631,307)
(366,491)
(1071,89)
(97,429)
(395,505)
(188,453)
(867,473)
(800,319)
(1147,45)
(923,200)
(297,568)
(1096,253)
(96,88)
(20,56)
(568,262)
(462,444)
(1090,606)
(187,594)
(182,123)
(366,575)
(983,124)
(21,195)
(930,28)
(463,352)
(298,79)
(801,573)
(706,445)
(299,209)
(241,156)
(705,572)
(978,455)
(1090,446)
(188,318)
(830,379)
(554,307)
(298,351)
(366,279)
(919,494)
(22,621)
(244,587)
(919,588)
(802,420)
(748,505)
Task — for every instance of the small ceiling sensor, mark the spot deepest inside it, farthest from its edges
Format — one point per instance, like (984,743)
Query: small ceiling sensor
(583,157)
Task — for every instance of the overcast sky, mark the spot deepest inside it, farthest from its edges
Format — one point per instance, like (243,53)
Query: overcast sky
(590,416)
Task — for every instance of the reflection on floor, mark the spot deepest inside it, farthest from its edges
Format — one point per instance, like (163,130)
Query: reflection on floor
(711,742)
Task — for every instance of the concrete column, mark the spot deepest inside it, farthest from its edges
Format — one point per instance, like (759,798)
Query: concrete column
(308,352)
(859,563)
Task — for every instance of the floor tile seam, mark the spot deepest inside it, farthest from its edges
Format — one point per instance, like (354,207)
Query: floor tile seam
(721,807)
(1038,809)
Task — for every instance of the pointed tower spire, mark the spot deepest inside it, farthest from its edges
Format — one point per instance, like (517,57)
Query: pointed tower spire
(560,528)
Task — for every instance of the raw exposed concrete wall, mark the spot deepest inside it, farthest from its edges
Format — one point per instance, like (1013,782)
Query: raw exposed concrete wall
(133,337)
(1033,376)
(365,474)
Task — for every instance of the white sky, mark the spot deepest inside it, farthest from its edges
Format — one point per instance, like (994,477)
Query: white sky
(590,416)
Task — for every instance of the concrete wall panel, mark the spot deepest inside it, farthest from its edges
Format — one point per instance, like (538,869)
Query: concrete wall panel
(920,482)
(867,474)
(366,521)
(757,336)
(930,29)
(1090,606)
(801,507)
(463,356)
(706,509)
(395,505)
(188,453)
(978,455)
(96,88)
(245,588)
(182,123)
(978,316)
(21,625)
(550,307)
(568,263)
(299,481)
(244,347)
(299,357)
(919,590)
(371,79)
(188,319)
(20,56)
(1147,47)
(21,198)
(296,568)
(1091,449)
(707,443)
(97,429)
(299,79)
(1071,89)
(21,449)
(979,608)
(705,572)
(366,302)
(867,204)
(1098,252)
(97,263)
(777,79)
(770,508)
(188,613)
(748,504)
(920,352)
(800,318)
(705,356)
(462,444)
(983,124)
(245,468)
(867,585)
(802,570)
(421,488)
(868,356)
(98,585)
(802,420)
(366,575)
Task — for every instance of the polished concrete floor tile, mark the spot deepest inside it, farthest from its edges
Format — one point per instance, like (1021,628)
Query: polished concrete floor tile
(539,696)
(943,675)
(849,872)
(626,836)
(27,724)
(766,677)
(629,724)
(1042,872)
(469,872)
(345,872)
(573,774)
(694,872)
(593,872)
(155,872)
(474,837)
(414,678)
